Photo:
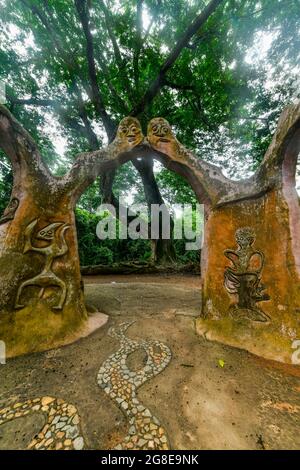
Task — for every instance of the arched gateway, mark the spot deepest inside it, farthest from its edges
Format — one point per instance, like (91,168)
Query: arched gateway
(250,261)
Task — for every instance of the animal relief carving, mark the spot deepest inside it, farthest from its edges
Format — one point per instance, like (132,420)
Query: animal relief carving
(54,235)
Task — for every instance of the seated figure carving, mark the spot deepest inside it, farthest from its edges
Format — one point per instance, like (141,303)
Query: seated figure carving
(243,277)
(53,250)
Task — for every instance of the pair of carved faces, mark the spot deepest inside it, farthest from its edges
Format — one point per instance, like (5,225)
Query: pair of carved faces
(159,132)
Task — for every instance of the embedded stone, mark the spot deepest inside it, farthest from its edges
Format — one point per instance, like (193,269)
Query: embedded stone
(78,443)
(76,419)
(47,400)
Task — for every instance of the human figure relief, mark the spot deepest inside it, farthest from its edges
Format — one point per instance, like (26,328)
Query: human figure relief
(243,278)
(56,248)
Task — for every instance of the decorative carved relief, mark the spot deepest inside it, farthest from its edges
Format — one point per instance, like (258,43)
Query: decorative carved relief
(243,278)
(159,130)
(54,235)
(130,130)
(10,211)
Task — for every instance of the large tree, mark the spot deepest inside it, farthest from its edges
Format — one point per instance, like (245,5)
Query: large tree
(88,63)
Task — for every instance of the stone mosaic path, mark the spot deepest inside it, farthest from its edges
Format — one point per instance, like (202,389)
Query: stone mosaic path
(62,428)
(120,383)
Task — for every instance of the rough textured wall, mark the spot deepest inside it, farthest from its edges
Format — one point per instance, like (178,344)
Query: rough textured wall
(272,322)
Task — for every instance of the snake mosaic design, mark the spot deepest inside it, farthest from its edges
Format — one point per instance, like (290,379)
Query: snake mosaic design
(61,431)
(120,384)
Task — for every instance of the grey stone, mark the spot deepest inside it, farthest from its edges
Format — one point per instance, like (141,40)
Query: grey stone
(60,425)
(132,430)
(78,443)
(141,442)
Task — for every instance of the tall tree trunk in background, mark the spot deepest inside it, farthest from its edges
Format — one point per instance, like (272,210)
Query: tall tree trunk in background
(163,250)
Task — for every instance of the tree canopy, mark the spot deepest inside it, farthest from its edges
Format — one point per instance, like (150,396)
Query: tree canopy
(219,71)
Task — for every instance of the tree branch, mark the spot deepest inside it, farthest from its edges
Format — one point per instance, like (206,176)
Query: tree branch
(108,22)
(108,80)
(83,13)
(156,85)
(138,42)
(177,86)
(64,114)
(22,150)
(117,53)
(67,56)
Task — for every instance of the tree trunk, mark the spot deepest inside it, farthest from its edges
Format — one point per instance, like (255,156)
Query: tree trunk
(163,251)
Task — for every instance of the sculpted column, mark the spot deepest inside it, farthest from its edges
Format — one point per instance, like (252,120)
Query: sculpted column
(251,255)
(41,296)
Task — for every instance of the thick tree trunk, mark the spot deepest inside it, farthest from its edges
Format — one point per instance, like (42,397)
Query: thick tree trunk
(163,251)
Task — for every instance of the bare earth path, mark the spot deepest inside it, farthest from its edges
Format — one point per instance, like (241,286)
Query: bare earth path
(187,401)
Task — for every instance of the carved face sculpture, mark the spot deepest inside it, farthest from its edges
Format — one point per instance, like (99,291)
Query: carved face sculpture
(130,132)
(159,131)
(9,212)
(245,237)
(47,233)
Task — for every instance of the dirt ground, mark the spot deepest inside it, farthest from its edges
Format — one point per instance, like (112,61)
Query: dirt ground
(189,280)
(209,396)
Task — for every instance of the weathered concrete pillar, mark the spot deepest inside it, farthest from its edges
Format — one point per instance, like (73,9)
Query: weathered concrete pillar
(41,296)
(251,287)
(251,254)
